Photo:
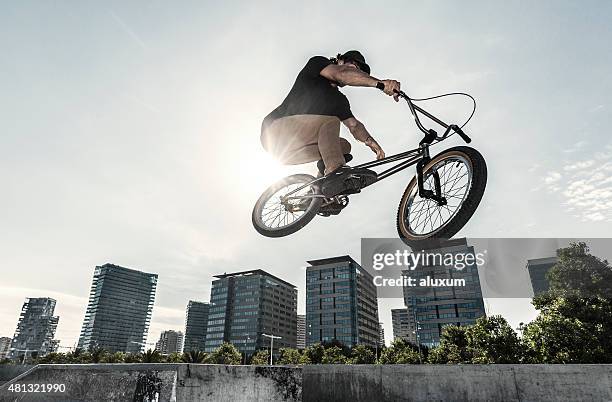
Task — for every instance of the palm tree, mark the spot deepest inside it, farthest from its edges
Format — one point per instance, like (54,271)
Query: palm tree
(97,354)
(78,355)
(151,356)
(174,358)
(117,357)
(194,356)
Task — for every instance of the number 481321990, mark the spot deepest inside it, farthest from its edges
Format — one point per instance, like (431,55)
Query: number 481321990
(27,388)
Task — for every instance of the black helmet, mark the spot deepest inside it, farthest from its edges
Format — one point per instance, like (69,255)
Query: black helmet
(356,57)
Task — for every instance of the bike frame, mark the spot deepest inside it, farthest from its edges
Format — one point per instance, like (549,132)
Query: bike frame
(419,156)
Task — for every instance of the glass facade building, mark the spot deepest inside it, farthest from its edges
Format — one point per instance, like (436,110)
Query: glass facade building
(35,329)
(341,303)
(196,321)
(430,309)
(538,268)
(5,346)
(170,342)
(301,331)
(245,305)
(119,309)
(403,325)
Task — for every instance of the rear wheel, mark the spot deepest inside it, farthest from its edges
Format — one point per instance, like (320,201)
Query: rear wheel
(463,178)
(275,216)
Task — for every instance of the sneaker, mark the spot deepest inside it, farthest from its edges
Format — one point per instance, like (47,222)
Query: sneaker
(347,180)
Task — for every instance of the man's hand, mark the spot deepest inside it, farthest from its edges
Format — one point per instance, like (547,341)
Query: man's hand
(371,142)
(390,87)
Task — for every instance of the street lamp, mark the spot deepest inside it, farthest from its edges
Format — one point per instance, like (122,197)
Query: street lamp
(246,341)
(272,338)
(418,338)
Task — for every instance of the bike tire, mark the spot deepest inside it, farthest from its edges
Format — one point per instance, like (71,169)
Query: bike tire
(466,209)
(293,227)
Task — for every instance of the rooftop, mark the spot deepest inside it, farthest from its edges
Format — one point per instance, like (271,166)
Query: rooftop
(542,261)
(253,272)
(332,260)
(109,265)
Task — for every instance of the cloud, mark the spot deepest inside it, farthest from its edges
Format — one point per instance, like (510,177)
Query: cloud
(587,190)
(579,165)
(552,177)
(575,147)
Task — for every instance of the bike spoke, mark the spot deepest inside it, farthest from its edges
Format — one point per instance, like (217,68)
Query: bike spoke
(277,214)
(425,216)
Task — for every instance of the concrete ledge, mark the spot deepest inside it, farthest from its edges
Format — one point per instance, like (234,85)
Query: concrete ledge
(10,371)
(202,382)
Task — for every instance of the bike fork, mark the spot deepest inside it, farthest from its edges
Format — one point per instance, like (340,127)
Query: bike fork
(426,193)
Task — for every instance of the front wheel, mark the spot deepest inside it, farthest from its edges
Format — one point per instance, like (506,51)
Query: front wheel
(281,210)
(463,178)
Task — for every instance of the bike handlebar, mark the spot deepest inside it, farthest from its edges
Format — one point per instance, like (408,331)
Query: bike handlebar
(414,108)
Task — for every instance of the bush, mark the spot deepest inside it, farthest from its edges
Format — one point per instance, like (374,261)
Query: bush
(289,356)
(261,357)
(334,355)
(226,354)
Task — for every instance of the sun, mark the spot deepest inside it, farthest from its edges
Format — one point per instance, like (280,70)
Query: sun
(260,170)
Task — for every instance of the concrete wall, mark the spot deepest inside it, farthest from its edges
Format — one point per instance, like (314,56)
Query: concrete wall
(10,371)
(458,383)
(198,382)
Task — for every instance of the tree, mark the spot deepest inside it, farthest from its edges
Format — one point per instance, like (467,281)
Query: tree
(489,340)
(492,340)
(575,320)
(261,357)
(313,354)
(117,357)
(226,354)
(453,347)
(96,354)
(78,355)
(580,273)
(400,352)
(174,358)
(554,338)
(362,354)
(6,361)
(333,355)
(194,356)
(346,351)
(151,356)
(289,356)
(132,358)
(53,358)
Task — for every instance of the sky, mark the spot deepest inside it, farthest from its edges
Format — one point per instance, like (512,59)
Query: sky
(129,134)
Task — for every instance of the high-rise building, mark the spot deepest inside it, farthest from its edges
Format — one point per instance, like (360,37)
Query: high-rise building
(246,305)
(341,303)
(5,346)
(432,308)
(119,309)
(35,329)
(196,320)
(403,325)
(381,334)
(538,268)
(301,331)
(170,342)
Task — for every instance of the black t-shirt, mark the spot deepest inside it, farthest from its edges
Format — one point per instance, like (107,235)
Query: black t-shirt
(312,94)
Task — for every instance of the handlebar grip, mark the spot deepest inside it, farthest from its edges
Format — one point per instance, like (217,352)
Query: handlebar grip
(463,135)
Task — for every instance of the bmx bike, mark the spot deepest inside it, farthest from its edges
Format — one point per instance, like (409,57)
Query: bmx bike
(438,201)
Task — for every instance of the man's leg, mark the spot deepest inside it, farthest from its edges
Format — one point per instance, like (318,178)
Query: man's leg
(297,139)
(331,147)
